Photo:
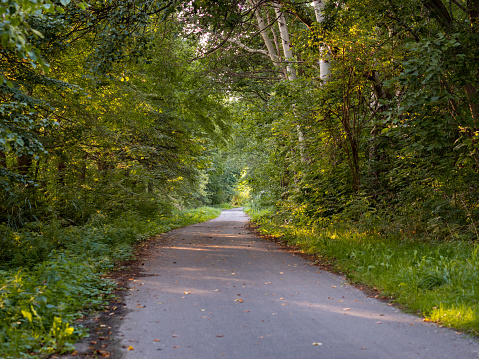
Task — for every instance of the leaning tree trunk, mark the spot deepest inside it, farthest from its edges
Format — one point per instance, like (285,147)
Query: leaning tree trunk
(263,32)
(284,34)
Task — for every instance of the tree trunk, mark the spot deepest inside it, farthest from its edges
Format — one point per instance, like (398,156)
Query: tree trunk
(473,10)
(284,34)
(24,163)
(61,168)
(262,29)
(324,65)
(473,102)
(3,160)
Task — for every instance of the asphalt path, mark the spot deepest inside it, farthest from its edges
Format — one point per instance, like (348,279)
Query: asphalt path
(215,290)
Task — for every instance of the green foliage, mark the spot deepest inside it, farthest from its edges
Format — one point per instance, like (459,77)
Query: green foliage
(16,30)
(135,140)
(389,139)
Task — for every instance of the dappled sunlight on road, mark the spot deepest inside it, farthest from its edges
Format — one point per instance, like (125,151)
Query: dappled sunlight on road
(353,311)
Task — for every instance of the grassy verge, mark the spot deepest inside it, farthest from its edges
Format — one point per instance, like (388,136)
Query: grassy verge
(438,280)
(51,275)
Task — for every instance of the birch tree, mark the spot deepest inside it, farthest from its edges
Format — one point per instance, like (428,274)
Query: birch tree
(285,41)
(324,65)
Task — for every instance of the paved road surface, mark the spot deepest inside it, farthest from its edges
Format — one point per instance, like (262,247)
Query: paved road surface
(214,290)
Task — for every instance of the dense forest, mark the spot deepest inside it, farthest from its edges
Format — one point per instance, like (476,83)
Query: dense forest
(115,116)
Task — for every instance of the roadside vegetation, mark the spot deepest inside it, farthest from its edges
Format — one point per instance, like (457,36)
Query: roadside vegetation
(436,279)
(51,275)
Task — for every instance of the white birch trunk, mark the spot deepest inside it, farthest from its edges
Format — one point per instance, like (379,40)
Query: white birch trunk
(324,65)
(262,29)
(284,34)
(276,43)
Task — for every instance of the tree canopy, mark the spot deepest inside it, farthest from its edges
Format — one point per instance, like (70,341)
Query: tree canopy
(325,106)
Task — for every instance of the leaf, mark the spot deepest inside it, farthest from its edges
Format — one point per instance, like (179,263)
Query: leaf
(27,315)
(130,348)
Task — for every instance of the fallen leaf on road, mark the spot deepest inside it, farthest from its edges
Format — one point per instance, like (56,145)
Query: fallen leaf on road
(103,353)
(347,309)
(363,348)
(239,300)
(157,340)
(130,348)
(426,320)
(333,286)
(187,292)
(317,343)
(219,336)
(176,347)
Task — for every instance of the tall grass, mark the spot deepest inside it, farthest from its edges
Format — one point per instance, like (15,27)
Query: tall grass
(50,275)
(439,280)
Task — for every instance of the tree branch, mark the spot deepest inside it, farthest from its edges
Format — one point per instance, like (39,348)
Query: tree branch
(246,48)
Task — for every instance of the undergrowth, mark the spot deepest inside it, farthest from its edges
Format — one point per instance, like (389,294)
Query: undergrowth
(438,279)
(51,275)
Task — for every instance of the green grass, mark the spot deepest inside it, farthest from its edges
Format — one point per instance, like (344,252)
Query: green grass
(439,280)
(51,275)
